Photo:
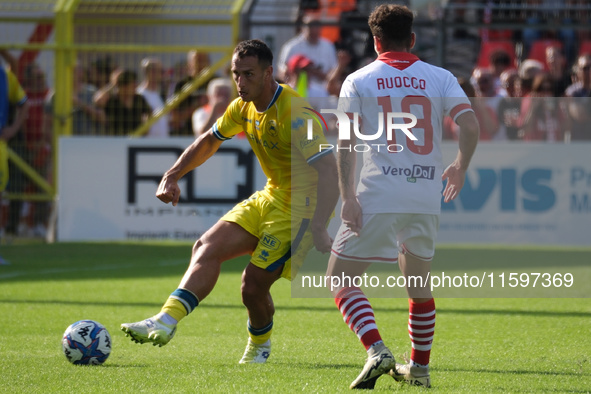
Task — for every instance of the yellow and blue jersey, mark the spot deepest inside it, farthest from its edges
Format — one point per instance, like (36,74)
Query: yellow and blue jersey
(279,138)
(11,93)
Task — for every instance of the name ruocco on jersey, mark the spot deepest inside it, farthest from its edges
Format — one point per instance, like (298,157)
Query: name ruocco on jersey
(344,125)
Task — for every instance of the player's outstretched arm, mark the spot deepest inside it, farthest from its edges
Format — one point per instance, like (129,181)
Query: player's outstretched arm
(455,173)
(327,197)
(196,154)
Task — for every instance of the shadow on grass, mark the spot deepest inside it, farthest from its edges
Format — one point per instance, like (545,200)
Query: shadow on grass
(445,311)
(83,261)
(513,372)
(103,260)
(316,365)
(115,365)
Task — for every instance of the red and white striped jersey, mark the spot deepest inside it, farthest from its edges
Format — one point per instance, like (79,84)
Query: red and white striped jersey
(400,174)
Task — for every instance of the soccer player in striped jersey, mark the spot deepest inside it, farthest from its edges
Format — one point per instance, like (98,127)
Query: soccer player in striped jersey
(299,198)
(394,213)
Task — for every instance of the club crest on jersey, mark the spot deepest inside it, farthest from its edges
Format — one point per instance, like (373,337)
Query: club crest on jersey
(272,128)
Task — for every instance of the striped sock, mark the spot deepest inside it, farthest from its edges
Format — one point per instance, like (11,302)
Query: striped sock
(259,335)
(180,303)
(358,314)
(421,328)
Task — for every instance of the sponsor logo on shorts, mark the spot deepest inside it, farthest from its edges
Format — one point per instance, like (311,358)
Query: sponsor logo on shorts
(263,256)
(271,242)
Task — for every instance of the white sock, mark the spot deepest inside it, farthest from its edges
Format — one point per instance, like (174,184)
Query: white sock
(375,348)
(166,318)
(413,364)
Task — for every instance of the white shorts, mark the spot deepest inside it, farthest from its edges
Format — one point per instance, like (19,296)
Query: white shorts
(384,235)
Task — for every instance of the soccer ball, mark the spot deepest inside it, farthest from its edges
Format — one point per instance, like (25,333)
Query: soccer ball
(86,342)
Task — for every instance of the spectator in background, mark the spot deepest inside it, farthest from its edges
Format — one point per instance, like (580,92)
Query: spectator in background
(38,143)
(298,76)
(126,110)
(487,97)
(181,116)
(99,72)
(220,92)
(560,76)
(87,118)
(579,102)
(178,72)
(108,90)
(510,106)
(500,61)
(151,89)
(338,74)
(197,62)
(486,116)
(542,118)
(319,50)
(181,124)
(14,109)
(581,84)
(11,61)
(528,70)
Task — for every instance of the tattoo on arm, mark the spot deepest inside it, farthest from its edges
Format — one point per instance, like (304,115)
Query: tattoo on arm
(345,166)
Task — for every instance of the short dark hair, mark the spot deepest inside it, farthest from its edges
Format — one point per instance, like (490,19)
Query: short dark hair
(126,77)
(392,24)
(500,57)
(256,48)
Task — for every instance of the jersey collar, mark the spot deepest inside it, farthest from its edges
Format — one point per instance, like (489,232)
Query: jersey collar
(275,96)
(398,60)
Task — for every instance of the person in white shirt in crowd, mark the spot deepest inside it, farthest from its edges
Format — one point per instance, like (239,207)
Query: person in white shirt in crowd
(220,92)
(151,89)
(319,50)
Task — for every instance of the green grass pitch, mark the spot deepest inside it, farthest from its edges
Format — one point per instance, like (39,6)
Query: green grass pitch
(481,344)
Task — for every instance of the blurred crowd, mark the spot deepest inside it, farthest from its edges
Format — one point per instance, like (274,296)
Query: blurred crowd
(533,98)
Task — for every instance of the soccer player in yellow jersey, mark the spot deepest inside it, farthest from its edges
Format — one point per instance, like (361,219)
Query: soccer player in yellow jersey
(299,198)
(11,94)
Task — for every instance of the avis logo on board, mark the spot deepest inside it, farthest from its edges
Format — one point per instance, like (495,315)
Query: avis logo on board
(529,191)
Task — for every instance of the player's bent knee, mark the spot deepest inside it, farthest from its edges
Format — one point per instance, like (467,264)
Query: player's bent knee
(252,294)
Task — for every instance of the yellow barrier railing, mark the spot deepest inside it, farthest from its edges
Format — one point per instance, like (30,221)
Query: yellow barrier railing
(67,14)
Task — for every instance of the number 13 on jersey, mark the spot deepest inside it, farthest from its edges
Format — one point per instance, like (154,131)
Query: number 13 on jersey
(423,146)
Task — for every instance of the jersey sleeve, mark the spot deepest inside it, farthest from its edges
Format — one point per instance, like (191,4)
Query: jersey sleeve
(308,137)
(230,123)
(456,101)
(16,94)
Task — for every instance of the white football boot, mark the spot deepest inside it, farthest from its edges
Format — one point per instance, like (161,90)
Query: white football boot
(415,376)
(380,362)
(150,330)
(256,353)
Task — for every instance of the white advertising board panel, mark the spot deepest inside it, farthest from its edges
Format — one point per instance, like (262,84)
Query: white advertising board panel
(522,193)
(107,188)
(515,193)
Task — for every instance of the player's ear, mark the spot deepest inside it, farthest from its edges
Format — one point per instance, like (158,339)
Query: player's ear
(413,40)
(377,45)
(269,72)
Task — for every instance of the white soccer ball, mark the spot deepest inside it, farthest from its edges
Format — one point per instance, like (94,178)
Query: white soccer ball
(86,342)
